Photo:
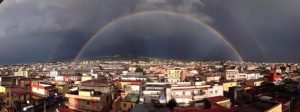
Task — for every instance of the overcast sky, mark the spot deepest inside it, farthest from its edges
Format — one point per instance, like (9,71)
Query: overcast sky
(45,30)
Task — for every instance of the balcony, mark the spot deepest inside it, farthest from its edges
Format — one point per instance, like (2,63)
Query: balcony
(183,96)
(199,97)
(91,98)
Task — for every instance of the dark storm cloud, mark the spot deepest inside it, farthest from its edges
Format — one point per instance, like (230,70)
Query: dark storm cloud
(273,23)
(61,27)
(155,34)
(35,30)
(20,17)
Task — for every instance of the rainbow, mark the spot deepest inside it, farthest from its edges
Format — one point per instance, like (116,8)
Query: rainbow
(209,27)
(247,29)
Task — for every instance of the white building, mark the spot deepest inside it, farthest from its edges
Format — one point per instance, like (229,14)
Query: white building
(185,95)
(93,74)
(54,73)
(251,76)
(133,78)
(59,78)
(216,90)
(21,72)
(153,91)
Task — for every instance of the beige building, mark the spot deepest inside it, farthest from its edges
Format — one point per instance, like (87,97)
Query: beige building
(233,74)
(21,72)
(212,78)
(92,96)
(175,73)
(11,95)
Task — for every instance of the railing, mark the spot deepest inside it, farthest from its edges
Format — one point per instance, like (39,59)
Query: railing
(183,96)
(84,97)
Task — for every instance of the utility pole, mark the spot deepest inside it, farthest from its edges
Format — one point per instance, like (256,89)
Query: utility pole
(10,98)
(45,110)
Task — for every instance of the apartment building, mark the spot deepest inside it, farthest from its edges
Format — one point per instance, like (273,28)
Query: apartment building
(21,72)
(43,90)
(129,102)
(173,74)
(253,76)
(93,95)
(186,95)
(234,74)
(152,90)
(13,97)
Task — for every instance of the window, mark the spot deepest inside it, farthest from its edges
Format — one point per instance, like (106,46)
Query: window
(200,92)
(7,94)
(88,103)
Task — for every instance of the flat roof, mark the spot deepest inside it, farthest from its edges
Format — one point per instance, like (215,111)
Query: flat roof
(217,99)
(258,106)
(45,85)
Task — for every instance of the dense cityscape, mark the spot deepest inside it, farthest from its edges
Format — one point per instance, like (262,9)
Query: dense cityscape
(150,85)
(149,56)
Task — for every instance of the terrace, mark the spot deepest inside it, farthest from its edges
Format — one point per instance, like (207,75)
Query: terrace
(85,94)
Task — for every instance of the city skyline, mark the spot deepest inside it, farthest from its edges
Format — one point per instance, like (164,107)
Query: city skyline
(149,56)
(42,31)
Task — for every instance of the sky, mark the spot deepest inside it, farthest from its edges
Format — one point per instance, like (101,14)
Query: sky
(249,30)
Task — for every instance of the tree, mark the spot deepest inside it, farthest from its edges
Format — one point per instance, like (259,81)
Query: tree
(268,86)
(172,103)
(246,98)
(139,69)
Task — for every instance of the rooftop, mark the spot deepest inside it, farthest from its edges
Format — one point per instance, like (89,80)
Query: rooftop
(217,99)
(45,85)
(17,91)
(258,106)
(75,94)
(96,82)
